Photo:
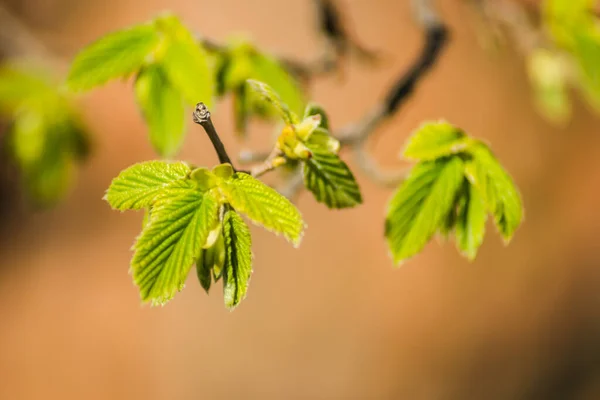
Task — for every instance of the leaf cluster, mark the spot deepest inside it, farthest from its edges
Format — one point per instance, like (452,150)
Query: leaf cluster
(456,183)
(46,137)
(570,60)
(193,217)
(310,142)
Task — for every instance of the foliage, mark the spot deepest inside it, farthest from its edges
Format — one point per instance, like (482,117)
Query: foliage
(193,215)
(190,209)
(570,59)
(455,184)
(46,137)
(309,141)
(240,61)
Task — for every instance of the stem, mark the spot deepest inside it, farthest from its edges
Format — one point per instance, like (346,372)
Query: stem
(273,160)
(201,116)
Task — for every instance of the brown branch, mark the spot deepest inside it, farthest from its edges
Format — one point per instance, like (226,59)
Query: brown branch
(201,116)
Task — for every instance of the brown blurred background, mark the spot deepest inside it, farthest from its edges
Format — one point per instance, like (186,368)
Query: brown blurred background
(333,319)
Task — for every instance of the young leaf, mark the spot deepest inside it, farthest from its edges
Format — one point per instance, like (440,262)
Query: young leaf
(321,138)
(171,242)
(434,140)
(114,56)
(269,95)
(238,259)
(497,189)
(141,184)
(317,109)
(470,222)
(211,261)
(163,110)
(204,269)
(264,206)
(23,86)
(420,205)
(330,180)
(269,70)
(186,63)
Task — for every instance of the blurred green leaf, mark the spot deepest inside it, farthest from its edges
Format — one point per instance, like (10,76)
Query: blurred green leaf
(434,140)
(185,62)
(420,205)
(470,222)
(548,74)
(330,180)
(46,137)
(171,243)
(497,188)
(238,259)
(163,110)
(267,69)
(140,185)
(272,98)
(115,55)
(264,206)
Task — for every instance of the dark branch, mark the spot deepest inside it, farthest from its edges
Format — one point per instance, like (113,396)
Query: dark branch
(201,116)
(436,37)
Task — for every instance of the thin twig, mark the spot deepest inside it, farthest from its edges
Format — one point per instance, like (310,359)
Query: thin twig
(436,37)
(355,135)
(293,185)
(201,116)
(273,160)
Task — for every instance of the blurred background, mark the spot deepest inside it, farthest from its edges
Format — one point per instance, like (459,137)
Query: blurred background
(333,319)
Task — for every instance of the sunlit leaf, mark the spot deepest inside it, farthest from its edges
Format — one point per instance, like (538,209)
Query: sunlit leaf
(171,243)
(498,190)
(270,96)
(330,180)
(434,140)
(115,55)
(238,259)
(269,70)
(141,184)
(470,222)
(317,109)
(163,110)
(186,63)
(420,205)
(264,206)
(211,262)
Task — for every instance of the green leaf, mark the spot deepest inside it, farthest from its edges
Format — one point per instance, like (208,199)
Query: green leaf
(211,261)
(163,110)
(548,72)
(141,184)
(497,188)
(204,269)
(116,55)
(434,140)
(271,97)
(264,206)
(238,259)
(21,86)
(267,69)
(317,109)
(321,138)
(470,222)
(330,180)
(171,242)
(186,63)
(421,204)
